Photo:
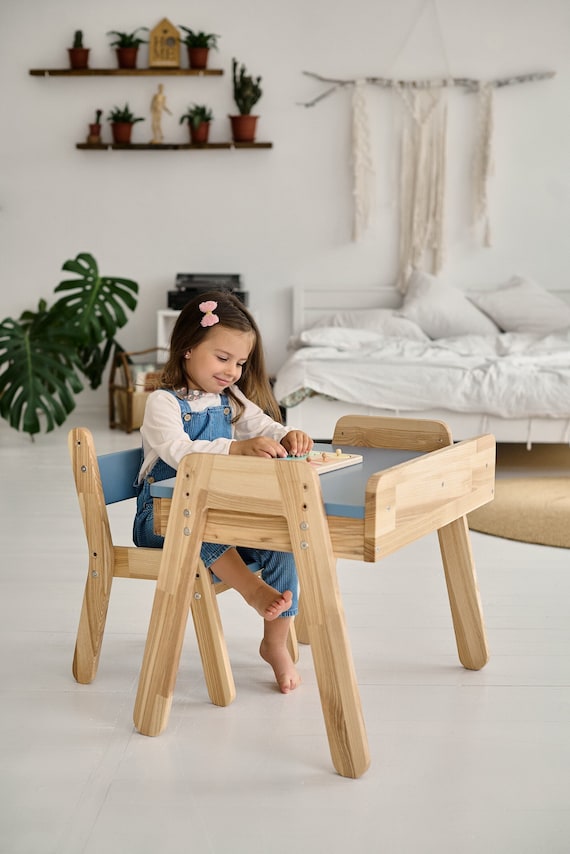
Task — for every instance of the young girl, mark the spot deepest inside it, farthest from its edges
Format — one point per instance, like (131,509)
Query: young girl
(213,398)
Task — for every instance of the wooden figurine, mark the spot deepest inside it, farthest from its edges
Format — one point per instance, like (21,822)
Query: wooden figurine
(164,46)
(157,107)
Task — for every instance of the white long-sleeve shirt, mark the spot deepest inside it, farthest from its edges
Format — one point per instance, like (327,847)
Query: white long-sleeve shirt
(164,437)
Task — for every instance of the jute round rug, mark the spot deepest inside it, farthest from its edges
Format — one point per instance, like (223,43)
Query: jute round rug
(533,510)
(534,505)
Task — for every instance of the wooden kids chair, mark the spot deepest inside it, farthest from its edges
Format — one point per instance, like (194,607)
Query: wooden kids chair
(105,480)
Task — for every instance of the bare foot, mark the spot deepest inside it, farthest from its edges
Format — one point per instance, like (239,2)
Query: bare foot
(283,667)
(268,602)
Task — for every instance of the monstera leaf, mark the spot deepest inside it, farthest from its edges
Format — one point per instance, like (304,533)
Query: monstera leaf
(93,306)
(41,370)
(44,353)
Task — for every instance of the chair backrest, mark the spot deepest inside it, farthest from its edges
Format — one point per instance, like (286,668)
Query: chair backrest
(405,434)
(118,472)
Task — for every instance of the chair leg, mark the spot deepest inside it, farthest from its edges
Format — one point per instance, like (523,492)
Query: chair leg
(212,644)
(292,644)
(101,555)
(211,641)
(301,623)
(92,623)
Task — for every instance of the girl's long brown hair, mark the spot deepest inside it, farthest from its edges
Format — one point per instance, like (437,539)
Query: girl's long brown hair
(188,333)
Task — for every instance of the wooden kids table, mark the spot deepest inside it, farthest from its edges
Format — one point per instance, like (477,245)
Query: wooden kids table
(363,512)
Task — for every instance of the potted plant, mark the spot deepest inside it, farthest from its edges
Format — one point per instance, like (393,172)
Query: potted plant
(78,55)
(44,353)
(127,46)
(122,121)
(199,45)
(247,93)
(198,117)
(94,137)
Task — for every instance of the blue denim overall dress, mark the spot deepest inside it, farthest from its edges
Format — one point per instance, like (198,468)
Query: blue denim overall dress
(278,568)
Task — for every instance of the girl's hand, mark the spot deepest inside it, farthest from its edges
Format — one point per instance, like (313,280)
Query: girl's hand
(261,446)
(297,443)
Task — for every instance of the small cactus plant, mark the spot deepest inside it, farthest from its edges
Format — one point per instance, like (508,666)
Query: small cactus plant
(247,90)
(78,55)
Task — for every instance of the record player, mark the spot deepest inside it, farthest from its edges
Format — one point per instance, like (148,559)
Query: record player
(190,285)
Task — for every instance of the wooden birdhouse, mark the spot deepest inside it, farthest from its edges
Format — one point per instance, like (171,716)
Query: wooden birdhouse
(164,46)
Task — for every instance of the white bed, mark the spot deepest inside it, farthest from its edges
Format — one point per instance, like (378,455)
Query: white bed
(437,354)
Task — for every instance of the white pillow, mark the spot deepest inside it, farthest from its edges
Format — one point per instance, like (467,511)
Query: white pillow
(441,310)
(523,306)
(385,321)
(335,336)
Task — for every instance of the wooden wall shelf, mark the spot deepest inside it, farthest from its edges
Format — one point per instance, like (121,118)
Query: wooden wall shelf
(125,72)
(149,146)
(145,72)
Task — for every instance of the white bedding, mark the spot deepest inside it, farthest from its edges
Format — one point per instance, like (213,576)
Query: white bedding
(511,375)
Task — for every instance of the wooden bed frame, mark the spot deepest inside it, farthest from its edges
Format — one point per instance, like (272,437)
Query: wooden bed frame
(317,415)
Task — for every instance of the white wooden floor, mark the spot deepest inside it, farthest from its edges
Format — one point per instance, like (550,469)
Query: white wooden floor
(462,762)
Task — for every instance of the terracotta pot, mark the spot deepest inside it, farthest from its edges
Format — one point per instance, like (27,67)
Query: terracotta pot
(78,57)
(198,57)
(243,128)
(121,132)
(127,57)
(94,134)
(199,135)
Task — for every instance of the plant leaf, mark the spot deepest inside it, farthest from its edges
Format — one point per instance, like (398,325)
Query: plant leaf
(44,353)
(41,371)
(95,306)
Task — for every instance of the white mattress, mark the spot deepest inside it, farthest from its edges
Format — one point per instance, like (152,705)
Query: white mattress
(510,375)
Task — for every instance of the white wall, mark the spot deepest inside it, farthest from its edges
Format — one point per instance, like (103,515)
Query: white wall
(283,216)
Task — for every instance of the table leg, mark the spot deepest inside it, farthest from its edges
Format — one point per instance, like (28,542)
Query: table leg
(333,664)
(169,616)
(461,580)
(323,616)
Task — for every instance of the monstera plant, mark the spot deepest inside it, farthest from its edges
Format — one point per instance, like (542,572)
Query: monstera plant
(46,354)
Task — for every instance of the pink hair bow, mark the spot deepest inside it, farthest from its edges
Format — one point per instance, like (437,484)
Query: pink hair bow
(209,319)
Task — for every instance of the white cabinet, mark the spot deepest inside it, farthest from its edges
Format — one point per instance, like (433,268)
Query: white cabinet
(165,320)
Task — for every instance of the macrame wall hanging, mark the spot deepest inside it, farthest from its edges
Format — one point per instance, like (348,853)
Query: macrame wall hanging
(422,180)
(423,157)
(362,168)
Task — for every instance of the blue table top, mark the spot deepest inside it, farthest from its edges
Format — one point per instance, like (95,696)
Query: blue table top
(344,489)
